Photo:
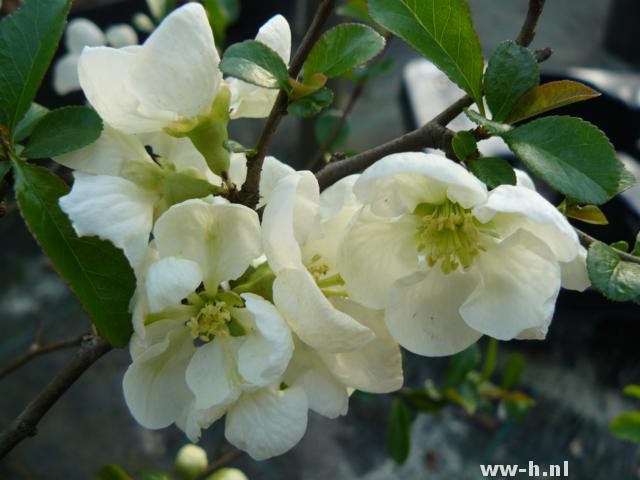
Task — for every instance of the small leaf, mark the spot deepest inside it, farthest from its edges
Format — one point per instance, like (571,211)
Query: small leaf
(460,364)
(570,155)
(96,271)
(490,359)
(617,280)
(326,123)
(632,391)
(356,10)
(464,145)
(513,368)
(636,248)
(587,213)
(5,166)
(399,434)
(512,70)
(62,131)
(312,104)
(222,13)
(549,96)
(627,426)
(112,472)
(442,32)
(235,147)
(342,48)
(28,40)
(29,121)
(493,171)
(423,401)
(256,63)
(620,245)
(494,128)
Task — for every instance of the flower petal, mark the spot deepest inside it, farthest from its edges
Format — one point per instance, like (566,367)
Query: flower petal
(169,280)
(273,170)
(267,422)
(82,32)
(250,101)
(65,74)
(574,273)
(338,197)
(276,33)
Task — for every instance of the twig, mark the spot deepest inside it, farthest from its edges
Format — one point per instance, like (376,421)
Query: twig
(586,240)
(36,349)
(219,462)
(249,194)
(528,30)
(25,425)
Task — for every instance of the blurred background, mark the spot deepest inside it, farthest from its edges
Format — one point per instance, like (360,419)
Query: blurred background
(575,377)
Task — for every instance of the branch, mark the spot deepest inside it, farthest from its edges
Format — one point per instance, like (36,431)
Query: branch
(36,349)
(528,30)
(25,425)
(249,193)
(586,240)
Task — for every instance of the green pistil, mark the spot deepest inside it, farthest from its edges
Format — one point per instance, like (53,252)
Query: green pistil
(330,285)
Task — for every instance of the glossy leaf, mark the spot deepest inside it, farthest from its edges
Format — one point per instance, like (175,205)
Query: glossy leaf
(256,63)
(95,270)
(356,10)
(29,121)
(493,171)
(512,70)
(464,145)
(342,48)
(399,434)
(28,40)
(617,280)
(549,96)
(312,104)
(62,131)
(442,31)
(587,213)
(627,426)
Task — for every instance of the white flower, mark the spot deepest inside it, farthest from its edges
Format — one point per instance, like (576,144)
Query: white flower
(449,261)
(81,33)
(251,101)
(172,79)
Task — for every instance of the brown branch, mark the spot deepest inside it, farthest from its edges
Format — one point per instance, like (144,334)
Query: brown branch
(528,30)
(219,462)
(249,193)
(36,349)
(25,425)
(586,240)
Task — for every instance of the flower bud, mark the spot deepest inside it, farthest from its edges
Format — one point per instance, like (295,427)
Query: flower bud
(191,461)
(227,474)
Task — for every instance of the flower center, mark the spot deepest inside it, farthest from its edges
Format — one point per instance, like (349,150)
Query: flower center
(211,321)
(330,285)
(448,234)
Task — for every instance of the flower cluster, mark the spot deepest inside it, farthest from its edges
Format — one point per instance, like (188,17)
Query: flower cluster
(261,321)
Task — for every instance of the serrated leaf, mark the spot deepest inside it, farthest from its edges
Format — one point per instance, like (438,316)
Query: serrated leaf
(617,280)
(29,121)
(442,31)
(495,128)
(570,155)
(311,104)
(493,171)
(325,125)
(549,96)
(256,63)
(342,48)
(464,145)
(63,130)
(512,371)
(460,364)
(399,434)
(96,271)
(28,40)
(490,359)
(632,391)
(512,71)
(587,213)
(627,426)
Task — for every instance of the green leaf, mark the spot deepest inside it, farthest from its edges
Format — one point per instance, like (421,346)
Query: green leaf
(440,30)
(222,13)
(494,128)
(512,371)
(312,104)
(570,155)
(490,359)
(29,121)
(153,475)
(636,247)
(464,145)
(5,166)
(112,472)
(460,365)
(63,130)
(356,10)
(423,401)
(587,213)
(627,426)
(256,63)
(632,391)
(342,48)
(398,434)
(235,147)
(512,71)
(96,271)
(28,40)
(493,171)
(325,125)
(617,280)
(620,245)
(549,96)
(516,410)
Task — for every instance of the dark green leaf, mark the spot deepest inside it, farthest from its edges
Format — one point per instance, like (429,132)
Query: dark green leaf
(355,9)
(570,155)
(494,128)
(28,40)
(516,410)
(442,32)
(399,434)
(636,247)
(512,71)
(493,171)
(29,121)
(5,166)
(256,63)
(512,371)
(312,104)
(153,475)
(222,13)
(620,245)
(460,364)
(326,123)
(342,48)
(62,131)
(627,426)
(490,359)
(617,280)
(112,472)
(423,401)
(96,271)
(464,145)
(632,391)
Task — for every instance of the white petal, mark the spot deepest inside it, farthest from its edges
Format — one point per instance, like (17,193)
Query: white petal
(398,183)
(423,317)
(574,273)
(121,35)
(154,386)
(326,395)
(154,333)
(65,74)
(376,367)
(112,208)
(238,168)
(81,33)
(511,208)
(266,352)
(520,281)
(223,238)
(276,34)
(268,422)
(273,170)
(376,252)
(312,317)
(338,197)
(250,101)
(524,180)
(169,280)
